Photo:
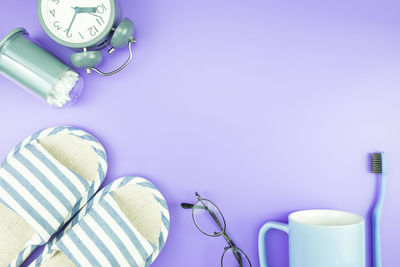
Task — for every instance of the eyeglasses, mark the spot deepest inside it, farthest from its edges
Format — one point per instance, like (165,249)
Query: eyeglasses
(209,220)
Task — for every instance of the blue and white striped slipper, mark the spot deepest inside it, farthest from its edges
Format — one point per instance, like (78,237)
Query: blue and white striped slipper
(125,224)
(44,181)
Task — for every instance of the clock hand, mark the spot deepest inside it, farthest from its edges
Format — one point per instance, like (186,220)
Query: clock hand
(72,21)
(86,9)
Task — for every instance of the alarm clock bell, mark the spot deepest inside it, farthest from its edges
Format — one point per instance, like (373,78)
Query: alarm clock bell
(122,36)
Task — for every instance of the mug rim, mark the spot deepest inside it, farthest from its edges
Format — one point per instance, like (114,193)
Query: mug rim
(357,218)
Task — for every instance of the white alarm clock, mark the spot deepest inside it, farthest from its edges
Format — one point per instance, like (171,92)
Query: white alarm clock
(88,25)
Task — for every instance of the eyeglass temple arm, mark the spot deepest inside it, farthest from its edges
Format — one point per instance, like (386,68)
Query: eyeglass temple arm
(191,206)
(215,219)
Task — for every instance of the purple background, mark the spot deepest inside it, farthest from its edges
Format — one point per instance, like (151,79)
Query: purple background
(265,107)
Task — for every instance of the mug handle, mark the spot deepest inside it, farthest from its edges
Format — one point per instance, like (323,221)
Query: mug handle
(261,239)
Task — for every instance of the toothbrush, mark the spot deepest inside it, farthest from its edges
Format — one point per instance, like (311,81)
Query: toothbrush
(378,167)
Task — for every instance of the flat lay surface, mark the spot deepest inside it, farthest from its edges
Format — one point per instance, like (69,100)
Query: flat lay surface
(263,107)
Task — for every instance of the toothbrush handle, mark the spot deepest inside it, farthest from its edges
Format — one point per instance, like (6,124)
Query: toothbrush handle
(376,222)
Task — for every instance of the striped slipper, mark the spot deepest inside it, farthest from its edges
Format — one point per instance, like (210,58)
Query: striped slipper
(125,224)
(44,181)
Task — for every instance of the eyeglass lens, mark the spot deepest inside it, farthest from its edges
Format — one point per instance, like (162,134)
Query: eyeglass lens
(234,257)
(208,218)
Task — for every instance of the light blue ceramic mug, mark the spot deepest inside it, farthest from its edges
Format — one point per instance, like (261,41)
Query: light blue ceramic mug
(320,238)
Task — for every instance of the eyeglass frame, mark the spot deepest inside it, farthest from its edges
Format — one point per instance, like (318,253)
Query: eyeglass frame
(231,244)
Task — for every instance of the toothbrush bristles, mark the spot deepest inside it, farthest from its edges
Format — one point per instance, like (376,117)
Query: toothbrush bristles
(376,162)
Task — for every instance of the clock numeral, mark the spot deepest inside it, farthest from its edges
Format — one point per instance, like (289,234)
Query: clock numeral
(101,9)
(80,34)
(93,30)
(56,1)
(67,33)
(53,12)
(100,21)
(56,25)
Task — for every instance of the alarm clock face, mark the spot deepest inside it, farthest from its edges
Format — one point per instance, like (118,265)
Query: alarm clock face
(77,24)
